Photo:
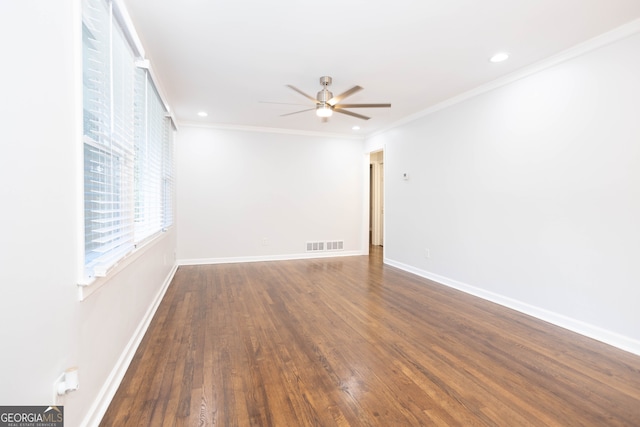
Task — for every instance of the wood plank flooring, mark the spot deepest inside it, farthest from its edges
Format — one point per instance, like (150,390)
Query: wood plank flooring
(351,342)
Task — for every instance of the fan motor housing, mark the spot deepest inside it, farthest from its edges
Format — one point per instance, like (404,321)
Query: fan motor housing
(324,96)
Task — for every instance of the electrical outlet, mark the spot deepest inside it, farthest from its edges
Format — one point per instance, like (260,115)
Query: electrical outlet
(265,241)
(427,253)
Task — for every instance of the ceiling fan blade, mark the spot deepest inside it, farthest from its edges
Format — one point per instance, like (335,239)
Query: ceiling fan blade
(336,99)
(351,113)
(281,103)
(296,112)
(362,106)
(303,94)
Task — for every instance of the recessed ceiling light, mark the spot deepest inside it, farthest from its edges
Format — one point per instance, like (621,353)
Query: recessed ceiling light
(203,114)
(356,128)
(499,57)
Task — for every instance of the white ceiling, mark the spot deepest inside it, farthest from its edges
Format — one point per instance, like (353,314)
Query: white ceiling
(228,57)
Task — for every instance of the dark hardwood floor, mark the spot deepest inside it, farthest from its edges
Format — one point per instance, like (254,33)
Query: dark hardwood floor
(351,342)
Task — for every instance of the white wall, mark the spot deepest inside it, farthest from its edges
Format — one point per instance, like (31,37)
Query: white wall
(237,188)
(530,194)
(44,328)
(534,198)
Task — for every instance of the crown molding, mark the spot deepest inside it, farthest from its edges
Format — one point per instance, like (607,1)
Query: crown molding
(597,42)
(260,129)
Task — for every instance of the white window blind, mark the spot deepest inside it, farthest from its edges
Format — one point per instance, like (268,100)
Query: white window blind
(168,173)
(149,159)
(124,141)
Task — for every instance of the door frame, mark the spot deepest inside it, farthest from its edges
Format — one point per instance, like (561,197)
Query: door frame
(376,204)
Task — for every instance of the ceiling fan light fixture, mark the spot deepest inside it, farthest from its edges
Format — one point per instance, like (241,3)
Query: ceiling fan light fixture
(326,103)
(323,110)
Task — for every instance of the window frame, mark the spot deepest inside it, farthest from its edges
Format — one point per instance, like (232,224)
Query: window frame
(119,22)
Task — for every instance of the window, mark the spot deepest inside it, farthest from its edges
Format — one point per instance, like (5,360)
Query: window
(153,166)
(128,145)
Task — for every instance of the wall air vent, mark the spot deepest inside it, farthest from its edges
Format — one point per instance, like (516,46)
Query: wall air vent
(333,245)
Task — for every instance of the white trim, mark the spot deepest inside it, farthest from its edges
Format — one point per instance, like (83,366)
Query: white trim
(79,132)
(366,195)
(266,258)
(110,386)
(124,19)
(612,338)
(85,289)
(609,37)
(271,130)
(377,203)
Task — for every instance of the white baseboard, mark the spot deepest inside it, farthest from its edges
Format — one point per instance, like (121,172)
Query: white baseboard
(108,390)
(608,337)
(263,258)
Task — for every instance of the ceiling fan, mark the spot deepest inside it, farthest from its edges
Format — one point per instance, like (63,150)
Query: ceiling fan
(326,103)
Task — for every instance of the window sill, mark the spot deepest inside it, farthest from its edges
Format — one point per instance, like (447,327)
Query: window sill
(87,289)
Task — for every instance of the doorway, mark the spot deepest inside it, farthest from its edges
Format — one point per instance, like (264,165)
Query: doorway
(376,198)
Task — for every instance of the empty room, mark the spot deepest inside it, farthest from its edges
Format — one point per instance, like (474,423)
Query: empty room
(356,213)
